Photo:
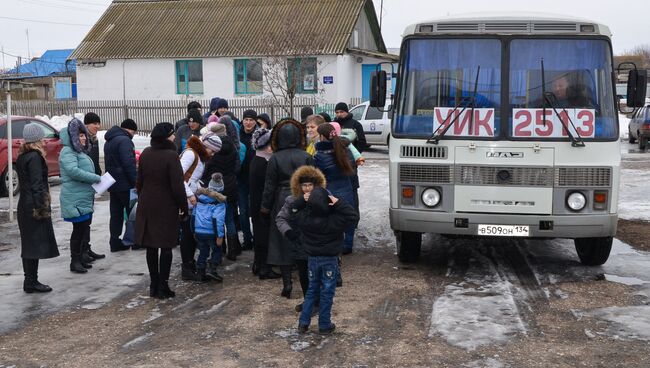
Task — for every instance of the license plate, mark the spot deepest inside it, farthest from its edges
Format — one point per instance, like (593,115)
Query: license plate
(503,230)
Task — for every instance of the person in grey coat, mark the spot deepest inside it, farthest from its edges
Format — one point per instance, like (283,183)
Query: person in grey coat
(288,143)
(34,212)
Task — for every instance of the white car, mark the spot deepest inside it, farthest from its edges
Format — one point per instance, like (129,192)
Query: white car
(375,122)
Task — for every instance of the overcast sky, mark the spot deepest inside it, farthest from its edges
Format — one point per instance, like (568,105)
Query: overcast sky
(71,19)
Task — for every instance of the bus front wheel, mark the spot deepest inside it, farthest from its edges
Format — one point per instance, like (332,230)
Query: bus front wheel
(593,251)
(408,246)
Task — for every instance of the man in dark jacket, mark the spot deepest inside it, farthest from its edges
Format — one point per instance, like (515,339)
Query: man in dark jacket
(213,108)
(193,127)
(119,159)
(249,124)
(347,121)
(190,106)
(92,123)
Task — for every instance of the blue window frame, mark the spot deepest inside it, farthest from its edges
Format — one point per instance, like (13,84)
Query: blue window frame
(303,71)
(189,77)
(248,76)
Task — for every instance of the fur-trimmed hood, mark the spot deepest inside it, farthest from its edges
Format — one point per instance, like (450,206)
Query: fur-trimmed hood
(288,133)
(306,171)
(70,136)
(210,195)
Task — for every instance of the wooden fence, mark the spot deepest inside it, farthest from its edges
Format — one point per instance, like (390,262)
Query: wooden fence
(148,113)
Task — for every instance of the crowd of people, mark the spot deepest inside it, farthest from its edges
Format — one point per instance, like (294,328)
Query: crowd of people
(290,188)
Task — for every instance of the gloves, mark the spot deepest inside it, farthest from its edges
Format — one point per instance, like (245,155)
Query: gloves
(292,235)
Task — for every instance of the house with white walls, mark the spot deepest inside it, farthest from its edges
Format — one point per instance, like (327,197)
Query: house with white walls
(198,49)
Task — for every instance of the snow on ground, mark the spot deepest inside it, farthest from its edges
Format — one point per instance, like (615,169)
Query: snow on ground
(633,203)
(623,122)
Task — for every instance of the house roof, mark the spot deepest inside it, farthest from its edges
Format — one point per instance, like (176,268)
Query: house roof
(224,28)
(51,62)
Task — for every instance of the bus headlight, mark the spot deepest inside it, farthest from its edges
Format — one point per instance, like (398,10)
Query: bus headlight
(430,197)
(576,201)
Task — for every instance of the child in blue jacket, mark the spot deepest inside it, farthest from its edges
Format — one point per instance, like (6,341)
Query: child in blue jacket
(209,217)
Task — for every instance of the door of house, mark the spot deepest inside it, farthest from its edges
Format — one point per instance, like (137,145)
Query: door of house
(366,72)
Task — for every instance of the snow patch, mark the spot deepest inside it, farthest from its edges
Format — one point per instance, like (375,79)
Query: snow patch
(630,281)
(136,302)
(627,323)
(138,340)
(215,308)
(299,346)
(487,363)
(155,314)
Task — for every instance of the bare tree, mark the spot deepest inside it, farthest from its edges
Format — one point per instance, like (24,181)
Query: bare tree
(639,55)
(289,69)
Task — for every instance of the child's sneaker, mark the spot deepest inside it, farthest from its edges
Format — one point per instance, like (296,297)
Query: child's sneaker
(327,331)
(302,328)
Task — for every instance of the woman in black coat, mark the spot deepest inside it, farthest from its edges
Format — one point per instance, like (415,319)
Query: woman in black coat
(225,162)
(161,206)
(34,211)
(288,144)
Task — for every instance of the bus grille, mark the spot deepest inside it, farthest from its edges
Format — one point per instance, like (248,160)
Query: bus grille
(423,152)
(583,177)
(518,176)
(415,173)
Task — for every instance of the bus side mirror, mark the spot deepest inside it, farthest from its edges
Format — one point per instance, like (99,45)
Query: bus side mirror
(636,87)
(378,89)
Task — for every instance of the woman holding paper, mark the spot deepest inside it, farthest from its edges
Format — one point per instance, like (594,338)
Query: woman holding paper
(77,194)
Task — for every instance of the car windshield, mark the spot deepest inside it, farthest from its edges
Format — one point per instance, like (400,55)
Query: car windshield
(440,74)
(578,87)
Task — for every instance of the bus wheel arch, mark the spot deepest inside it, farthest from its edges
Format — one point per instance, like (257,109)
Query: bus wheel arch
(409,245)
(593,251)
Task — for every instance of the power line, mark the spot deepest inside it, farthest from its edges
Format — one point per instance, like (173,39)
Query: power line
(47,22)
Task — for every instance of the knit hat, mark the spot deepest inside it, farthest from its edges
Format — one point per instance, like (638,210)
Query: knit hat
(265,118)
(261,138)
(213,119)
(195,115)
(212,142)
(162,130)
(218,129)
(305,112)
(326,116)
(216,183)
(193,106)
(222,103)
(129,124)
(91,118)
(341,106)
(32,132)
(250,114)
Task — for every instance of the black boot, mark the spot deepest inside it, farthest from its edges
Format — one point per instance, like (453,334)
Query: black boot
(286,282)
(267,273)
(231,253)
(31,284)
(76,266)
(200,275)
(86,259)
(164,291)
(212,273)
(93,254)
(188,272)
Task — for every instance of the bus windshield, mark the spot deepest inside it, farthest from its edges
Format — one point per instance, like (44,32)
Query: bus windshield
(440,74)
(578,85)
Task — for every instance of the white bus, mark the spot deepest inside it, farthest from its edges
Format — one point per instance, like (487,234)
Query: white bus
(505,127)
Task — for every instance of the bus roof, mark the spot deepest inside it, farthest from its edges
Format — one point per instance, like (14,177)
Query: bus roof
(509,23)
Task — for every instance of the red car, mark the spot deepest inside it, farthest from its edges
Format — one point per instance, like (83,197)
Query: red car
(53,147)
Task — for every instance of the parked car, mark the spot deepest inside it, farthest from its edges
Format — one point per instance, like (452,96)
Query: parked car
(639,127)
(375,122)
(53,147)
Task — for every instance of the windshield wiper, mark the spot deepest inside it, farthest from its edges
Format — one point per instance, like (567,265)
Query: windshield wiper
(435,137)
(550,99)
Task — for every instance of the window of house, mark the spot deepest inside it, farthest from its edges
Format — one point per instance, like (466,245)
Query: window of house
(248,76)
(303,72)
(189,77)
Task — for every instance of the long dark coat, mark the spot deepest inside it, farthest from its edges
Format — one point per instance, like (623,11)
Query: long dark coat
(34,211)
(224,162)
(161,196)
(288,142)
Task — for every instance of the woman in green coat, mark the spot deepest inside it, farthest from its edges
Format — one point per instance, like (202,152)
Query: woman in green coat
(77,194)
(34,212)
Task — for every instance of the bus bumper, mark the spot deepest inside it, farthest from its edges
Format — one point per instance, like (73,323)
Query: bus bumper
(565,226)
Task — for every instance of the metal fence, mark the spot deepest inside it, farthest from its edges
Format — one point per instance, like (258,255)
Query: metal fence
(148,113)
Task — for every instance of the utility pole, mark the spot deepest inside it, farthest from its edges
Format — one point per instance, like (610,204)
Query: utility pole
(3,58)
(381,13)
(29,54)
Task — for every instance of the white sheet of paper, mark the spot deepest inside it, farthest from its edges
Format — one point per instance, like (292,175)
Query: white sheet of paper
(105,183)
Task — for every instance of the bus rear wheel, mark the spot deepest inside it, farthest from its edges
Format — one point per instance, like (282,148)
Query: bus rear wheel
(408,246)
(593,251)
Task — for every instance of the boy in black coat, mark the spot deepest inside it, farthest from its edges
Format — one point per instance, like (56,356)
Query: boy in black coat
(321,221)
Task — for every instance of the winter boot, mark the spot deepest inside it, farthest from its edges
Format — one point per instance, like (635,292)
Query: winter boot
(31,284)
(267,273)
(200,275)
(231,253)
(76,266)
(93,254)
(188,272)
(164,291)
(286,282)
(212,273)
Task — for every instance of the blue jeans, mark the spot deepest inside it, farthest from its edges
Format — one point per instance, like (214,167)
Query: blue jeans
(231,228)
(205,243)
(244,211)
(322,280)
